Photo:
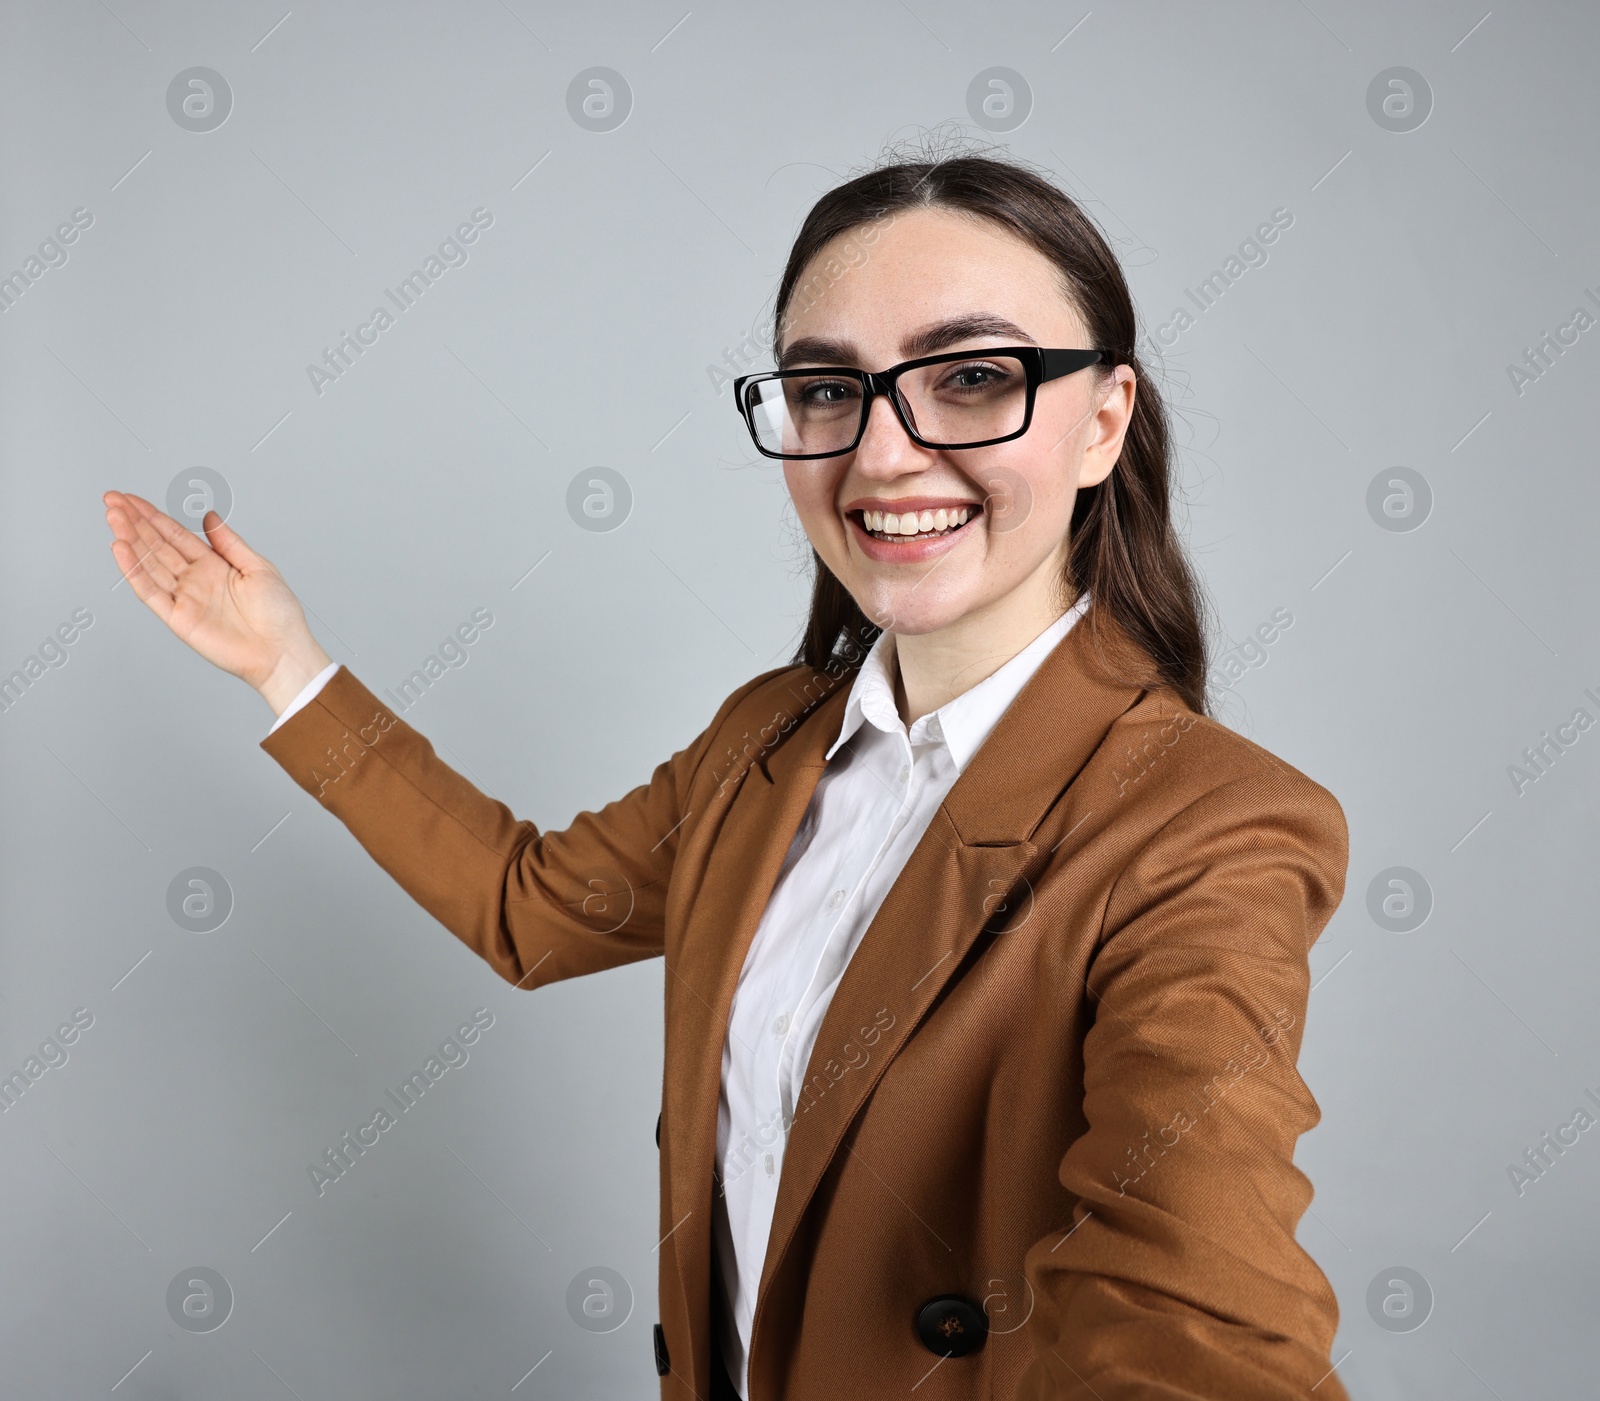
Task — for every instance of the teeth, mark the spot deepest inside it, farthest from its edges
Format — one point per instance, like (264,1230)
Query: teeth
(915,523)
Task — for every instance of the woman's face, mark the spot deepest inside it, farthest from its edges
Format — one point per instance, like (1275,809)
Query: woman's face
(937,280)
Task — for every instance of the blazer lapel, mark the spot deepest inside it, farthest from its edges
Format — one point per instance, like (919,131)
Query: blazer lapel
(774,791)
(969,873)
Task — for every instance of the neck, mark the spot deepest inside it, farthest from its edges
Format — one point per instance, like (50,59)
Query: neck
(933,668)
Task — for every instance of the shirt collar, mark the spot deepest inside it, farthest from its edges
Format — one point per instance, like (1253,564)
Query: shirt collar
(962,723)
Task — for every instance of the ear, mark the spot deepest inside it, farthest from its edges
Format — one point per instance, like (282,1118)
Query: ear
(1109,427)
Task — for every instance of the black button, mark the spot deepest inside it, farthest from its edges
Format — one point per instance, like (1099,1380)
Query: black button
(658,1130)
(951,1326)
(663,1363)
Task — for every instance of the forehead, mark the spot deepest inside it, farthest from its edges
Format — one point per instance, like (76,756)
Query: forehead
(882,290)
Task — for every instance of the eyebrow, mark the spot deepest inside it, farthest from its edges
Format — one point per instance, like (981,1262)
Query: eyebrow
(930,340)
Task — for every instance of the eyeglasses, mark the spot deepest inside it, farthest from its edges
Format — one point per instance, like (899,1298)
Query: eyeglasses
(962,399)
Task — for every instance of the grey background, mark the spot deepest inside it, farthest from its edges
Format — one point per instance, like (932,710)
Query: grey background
(433,476)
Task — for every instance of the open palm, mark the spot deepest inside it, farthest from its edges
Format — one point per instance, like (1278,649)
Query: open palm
(217,594)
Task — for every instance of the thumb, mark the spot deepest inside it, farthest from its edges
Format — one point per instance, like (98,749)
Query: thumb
(228,543)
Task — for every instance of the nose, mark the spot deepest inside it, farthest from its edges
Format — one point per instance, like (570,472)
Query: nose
(886,450)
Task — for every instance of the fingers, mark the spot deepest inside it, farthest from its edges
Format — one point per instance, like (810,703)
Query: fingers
(164,547)
(188,545)
(159,600)
(220,536)
(126,529)
(156,551)
(159,559)
(120,515)
(154,537)
(133,507)
(228,543)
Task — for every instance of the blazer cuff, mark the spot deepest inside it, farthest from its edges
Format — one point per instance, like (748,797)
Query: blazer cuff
(310,689)
(308,741)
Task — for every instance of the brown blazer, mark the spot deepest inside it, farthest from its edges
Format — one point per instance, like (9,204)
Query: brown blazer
(1057,1080)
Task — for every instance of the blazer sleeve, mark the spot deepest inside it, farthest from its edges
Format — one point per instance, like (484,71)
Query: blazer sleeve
(1179,1277)
(536,906)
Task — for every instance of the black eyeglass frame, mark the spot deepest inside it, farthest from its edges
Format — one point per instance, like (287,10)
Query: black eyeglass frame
(1038,366)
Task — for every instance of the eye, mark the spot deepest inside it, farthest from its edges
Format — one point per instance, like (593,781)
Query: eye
(822,393)
(976,375)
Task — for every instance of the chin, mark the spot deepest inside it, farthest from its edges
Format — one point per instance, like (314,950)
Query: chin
(911,616)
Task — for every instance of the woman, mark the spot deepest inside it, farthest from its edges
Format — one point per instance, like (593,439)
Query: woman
(986,947)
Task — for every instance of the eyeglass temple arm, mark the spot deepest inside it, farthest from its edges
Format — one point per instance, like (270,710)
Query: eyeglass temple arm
(1066,362)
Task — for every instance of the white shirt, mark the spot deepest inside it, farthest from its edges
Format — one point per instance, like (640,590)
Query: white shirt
(871,806)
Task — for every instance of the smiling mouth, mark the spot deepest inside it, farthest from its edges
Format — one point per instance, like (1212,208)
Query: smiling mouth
(916,526)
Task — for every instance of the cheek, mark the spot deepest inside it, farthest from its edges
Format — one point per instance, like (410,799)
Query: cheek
(802,490)
(1029,501)
(811,491)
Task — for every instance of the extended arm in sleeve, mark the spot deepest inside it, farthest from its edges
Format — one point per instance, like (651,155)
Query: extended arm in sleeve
(536,906)
(1179,1278)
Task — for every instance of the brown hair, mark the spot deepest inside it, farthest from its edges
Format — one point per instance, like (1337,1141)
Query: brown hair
(1123,549)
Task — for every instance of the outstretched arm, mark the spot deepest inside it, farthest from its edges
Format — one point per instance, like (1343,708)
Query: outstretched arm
(536,906)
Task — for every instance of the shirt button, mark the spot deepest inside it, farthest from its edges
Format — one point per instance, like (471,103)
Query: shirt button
(769,1164)
(781,1025)
(905,772)
(835,899)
